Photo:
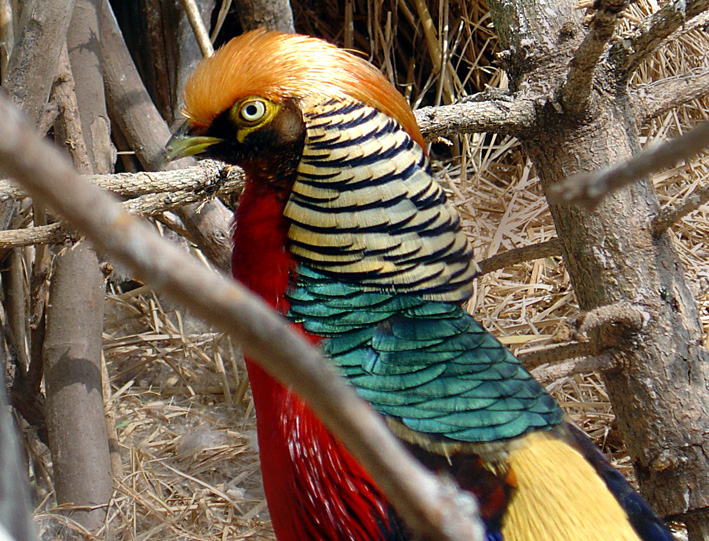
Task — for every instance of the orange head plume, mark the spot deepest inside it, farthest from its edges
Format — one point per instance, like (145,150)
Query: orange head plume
(278,66)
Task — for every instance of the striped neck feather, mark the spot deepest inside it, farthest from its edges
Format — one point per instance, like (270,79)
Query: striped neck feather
(364,207)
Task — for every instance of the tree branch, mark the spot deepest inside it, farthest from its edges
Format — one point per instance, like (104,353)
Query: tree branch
(151,193)
(207,178)
(431,508)
(628,317)
(557,354)
(614,324)
(508,258)
(476,114)
(553,372)
(579,81)
(670,215)
(35,56)
(654,99)
(587,189)
(147,133)
(629,52)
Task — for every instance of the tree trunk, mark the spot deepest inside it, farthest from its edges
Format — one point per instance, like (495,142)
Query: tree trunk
(76,419)
(659,393)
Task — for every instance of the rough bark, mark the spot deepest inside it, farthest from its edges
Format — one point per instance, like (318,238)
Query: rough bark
(269,14)
(30,70)
(35,56)
(659,390)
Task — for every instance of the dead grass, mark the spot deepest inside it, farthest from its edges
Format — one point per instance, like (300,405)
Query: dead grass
(182,412)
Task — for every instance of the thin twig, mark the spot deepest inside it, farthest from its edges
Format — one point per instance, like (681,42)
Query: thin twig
(629,52)
(508,258)
(223,11)
(557,354)
(430,508)
(670,215)
(587,189)
(579,81)
(554,372)
(208,177)
(200,31)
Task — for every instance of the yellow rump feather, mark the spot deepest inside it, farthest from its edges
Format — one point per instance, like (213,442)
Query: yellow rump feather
(560,497)
(279,66)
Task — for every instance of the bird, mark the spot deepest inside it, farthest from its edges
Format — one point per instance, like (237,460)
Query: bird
(342,229)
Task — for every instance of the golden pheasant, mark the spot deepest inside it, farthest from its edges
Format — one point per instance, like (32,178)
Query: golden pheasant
(343,230)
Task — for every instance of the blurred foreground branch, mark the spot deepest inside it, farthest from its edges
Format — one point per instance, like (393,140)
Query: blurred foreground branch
(432,508)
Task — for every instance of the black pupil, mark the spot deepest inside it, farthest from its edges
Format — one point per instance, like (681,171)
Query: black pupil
(251,111)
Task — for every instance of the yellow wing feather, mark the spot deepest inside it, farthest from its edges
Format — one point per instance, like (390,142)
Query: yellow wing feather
(560,497)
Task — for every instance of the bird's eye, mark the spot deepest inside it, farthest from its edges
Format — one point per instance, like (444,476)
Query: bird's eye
(252,111)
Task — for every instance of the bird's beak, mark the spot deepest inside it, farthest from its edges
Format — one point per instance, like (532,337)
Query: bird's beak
(184,142)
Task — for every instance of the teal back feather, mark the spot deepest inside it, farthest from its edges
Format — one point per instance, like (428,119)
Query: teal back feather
(428,364)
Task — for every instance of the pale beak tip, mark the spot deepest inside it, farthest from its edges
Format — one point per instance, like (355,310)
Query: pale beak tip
(185,143)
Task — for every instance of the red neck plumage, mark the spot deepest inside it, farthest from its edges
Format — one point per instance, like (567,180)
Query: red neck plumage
(288,432)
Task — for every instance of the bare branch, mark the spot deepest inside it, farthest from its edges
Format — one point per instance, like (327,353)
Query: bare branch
(577,88)
(631,317)
(614,323)
(147,133)
(670,215)
(43,234)
(207,178)
(587,189)
(629,52)
(553,372)
(200,31)
(151,193)
(539,250)
(35,56)
(557,354)
(652,100)
(477,114)
(431,508)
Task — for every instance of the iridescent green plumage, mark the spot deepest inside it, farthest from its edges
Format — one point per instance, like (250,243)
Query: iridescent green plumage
(427,364)
(383,265)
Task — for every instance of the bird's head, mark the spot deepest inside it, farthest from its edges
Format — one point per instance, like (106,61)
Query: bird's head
(245,105)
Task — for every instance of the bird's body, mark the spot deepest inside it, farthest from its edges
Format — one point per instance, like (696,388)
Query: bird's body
(342,229)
